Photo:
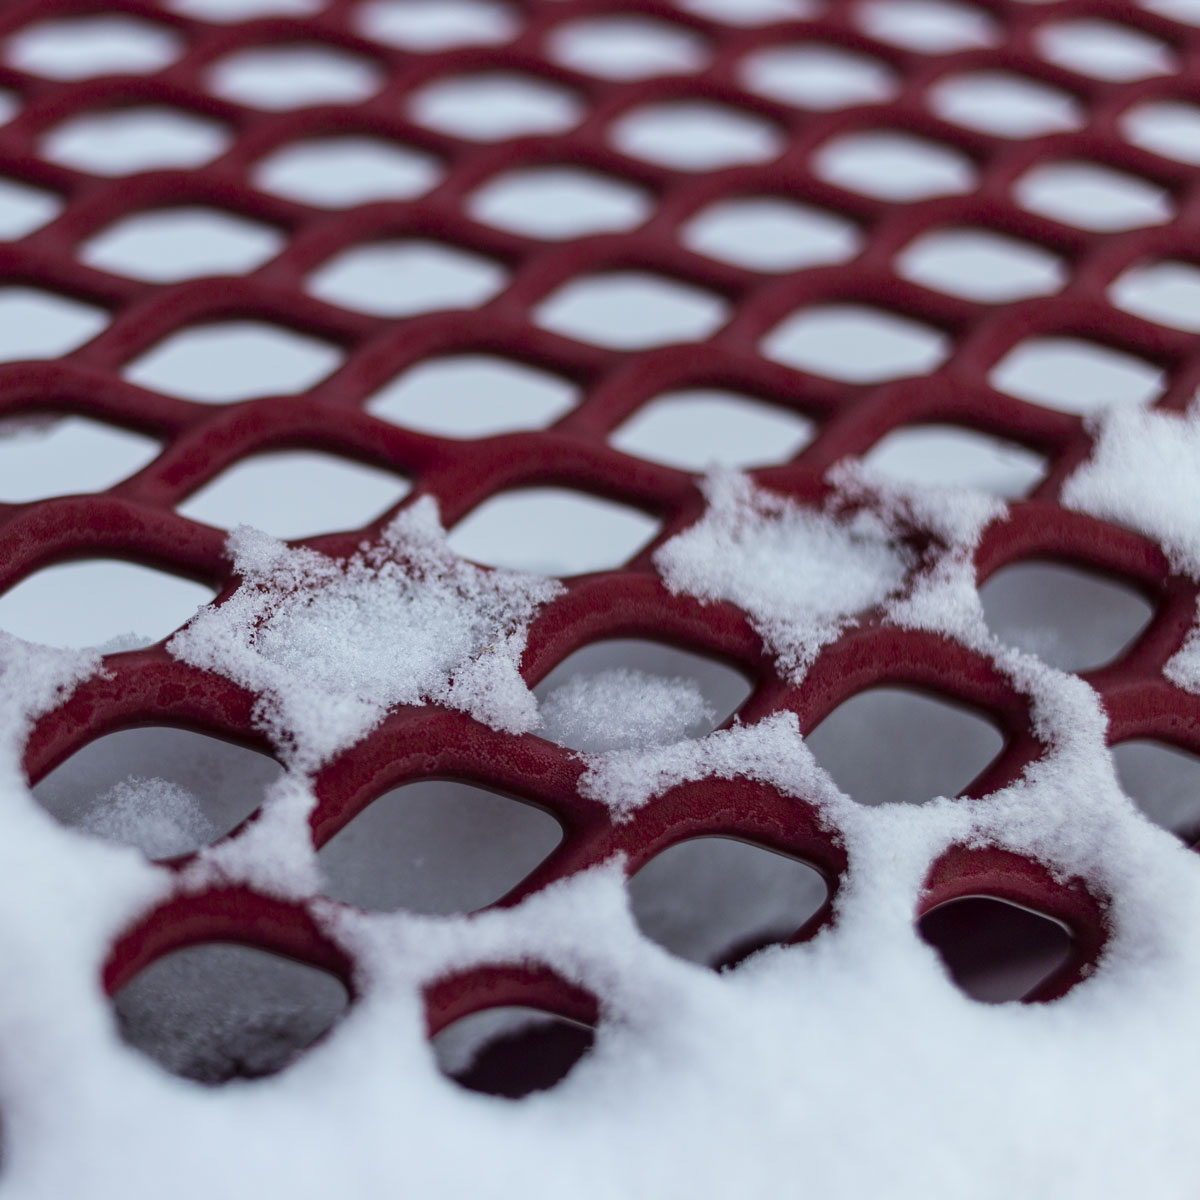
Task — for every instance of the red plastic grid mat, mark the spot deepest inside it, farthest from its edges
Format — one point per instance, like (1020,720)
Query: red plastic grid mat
(136,518)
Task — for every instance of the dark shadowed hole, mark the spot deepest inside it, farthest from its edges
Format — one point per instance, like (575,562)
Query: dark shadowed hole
(893,745)
(1164,782)
(165,791)
(994,950)
(511,1051)
(1070,618)
(714,900)
(437,846)
(216,1012)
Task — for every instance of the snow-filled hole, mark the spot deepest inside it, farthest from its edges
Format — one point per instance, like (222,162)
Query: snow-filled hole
(951,456)
(713,900)
(473,395)
(429,26)
(980,265)
(623,46)
(126,141)
(45,456)
(696,135)
(554,203)
(495,106)
(216,1012)
(102,602)
(993,950)
(38,324)
(552,531)
(511,1051)
(1071,618)
(1105,50)
(927,26)
(768,233)
(703,428)
(403,278)
(631,310)
(166,791)
(437,846)
(279,78)
(890,165)
(629,692)
(244,10)
(1167,293)
(295,494)
(892,745)
(84,47)
(1004,105)
(819,77)
(856,344)
(1167,127)
(1075,376)
(229,361)
(1164,781)
(173,244)
(341,172)
(1092,197)
(24,208)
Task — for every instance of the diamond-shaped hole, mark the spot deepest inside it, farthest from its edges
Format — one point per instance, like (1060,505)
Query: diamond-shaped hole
(621,46)
(818,77)
(767,233)
(24,208)
(927,26)
(856,344)
(279,78)
(894,166)
(1104,50)
(37,324)
(128,140)
(165,791)
(473,395)
(244,10)
(1092,197)
(980,265)
(1070,618)
(428,26)
(552,531)
(696,135)
(750,13)
(295,494)
(216,1012)
(891,745)
(64,456)
(230,361)
(993,950)
(511,1051)
(495,106)
(713,900)
(437,846)
(101,602)
(1167,293)
(1164,782)
(1004,105)
(631,310)
(949,456)
(341,172)
(84,47)
(1075,376)
(403,278)
(1167,127)
(623,693)
(703,428)
(172,244)
(554,203)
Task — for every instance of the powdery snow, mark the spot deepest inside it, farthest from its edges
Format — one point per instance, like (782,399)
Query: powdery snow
(157,816)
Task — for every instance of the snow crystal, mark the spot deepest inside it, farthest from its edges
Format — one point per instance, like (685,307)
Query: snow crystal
(623,708)
(157,816)
(330,645)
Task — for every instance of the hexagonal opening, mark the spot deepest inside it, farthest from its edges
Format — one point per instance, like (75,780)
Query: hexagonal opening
(889,165)
(818,77)
(1104,50)
(281,78)
(24,208)
(1092,197)
(1167,127)
(39,324)
(1165,292)
(495,106)
(626,47)
(430,26)
(979,265)
(927,26)
(84,47)
(695,135)
(1005,105)
(1164,782)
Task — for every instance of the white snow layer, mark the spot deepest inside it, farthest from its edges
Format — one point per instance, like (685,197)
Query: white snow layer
(851,1063)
